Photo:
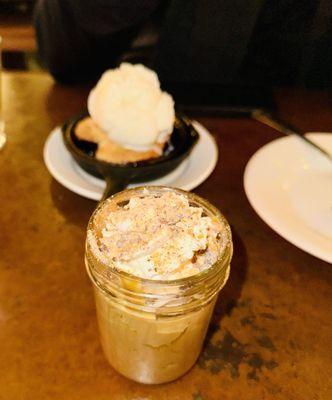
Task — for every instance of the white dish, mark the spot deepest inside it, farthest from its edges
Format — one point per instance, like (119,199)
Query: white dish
(188,175)
(289,185)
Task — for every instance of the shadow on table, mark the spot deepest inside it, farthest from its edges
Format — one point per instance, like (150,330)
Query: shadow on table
(231,293)
(74,208)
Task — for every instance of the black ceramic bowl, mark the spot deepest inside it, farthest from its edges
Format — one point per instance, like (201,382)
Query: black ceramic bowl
(118,176)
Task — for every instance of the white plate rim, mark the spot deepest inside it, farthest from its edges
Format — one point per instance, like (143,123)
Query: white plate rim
(266,216)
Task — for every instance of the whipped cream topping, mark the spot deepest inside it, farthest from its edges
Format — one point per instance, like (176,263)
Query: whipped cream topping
(157,237)
(129,106)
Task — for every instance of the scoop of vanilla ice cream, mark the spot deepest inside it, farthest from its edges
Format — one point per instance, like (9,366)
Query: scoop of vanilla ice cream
(128,104)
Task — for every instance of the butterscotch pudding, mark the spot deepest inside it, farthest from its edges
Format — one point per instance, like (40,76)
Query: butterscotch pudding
(131,118)
(157,258)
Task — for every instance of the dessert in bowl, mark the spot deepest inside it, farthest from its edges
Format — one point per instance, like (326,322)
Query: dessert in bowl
(130,132)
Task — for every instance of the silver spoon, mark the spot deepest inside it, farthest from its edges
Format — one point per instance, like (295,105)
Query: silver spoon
(283,127)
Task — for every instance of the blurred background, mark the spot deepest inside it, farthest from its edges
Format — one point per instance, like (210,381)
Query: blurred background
(19,41)
(209,55)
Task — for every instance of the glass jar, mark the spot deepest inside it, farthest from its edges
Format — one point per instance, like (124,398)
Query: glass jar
(152,331)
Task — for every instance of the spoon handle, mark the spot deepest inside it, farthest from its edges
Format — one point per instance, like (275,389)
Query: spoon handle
(283,127)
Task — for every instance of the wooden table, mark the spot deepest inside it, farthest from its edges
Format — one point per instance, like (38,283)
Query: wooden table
(270,337)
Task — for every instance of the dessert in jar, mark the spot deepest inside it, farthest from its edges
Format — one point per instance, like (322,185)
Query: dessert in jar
(158,258)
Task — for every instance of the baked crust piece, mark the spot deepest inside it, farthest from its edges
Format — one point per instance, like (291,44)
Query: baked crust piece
(107,149)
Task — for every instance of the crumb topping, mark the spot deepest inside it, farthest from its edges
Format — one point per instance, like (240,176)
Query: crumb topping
(159,237)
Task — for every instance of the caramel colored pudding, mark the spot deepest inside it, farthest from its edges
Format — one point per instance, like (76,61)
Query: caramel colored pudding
(158,258)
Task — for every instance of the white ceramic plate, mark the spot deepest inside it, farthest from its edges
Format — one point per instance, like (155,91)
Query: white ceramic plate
(289,185)
(188,175)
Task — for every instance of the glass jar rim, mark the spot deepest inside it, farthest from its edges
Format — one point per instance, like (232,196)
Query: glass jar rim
(223,257)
